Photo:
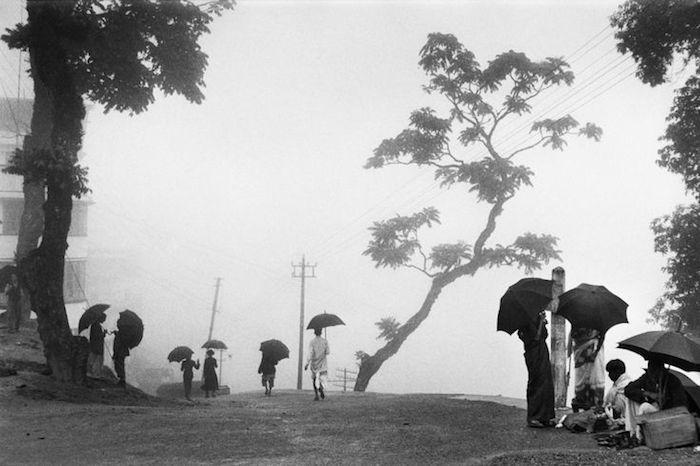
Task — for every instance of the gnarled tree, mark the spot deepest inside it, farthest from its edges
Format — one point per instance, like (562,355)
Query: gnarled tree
(656,33)
(479,101)
(116,53)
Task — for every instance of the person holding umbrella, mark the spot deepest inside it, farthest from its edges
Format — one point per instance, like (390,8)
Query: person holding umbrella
(187,367)
(586,346)
(120,350)
(211,381)
(97,347)
(316,361)
(268,370)
(657,389)
(540,387)
(272,352)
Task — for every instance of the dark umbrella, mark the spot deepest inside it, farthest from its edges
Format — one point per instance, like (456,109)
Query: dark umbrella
(274,349)
(691,389)
(522,302)
(324,320)
(6,274)
(130,328)
(91,315)
(215,344)
(591,306)
(180,353)
(672,348)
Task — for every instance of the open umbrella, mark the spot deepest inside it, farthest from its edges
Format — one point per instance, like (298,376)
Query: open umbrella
(6,275)
(672,348)
(180,353)
(130,328)
(591,306)
(274,349)
(522,302)
(691,390)
(91,315)
(215,344)
(324,320)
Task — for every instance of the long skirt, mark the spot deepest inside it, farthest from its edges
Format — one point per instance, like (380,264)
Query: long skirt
(590,383)
(540,387)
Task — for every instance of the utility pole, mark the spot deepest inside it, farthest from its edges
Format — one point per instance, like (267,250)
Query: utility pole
(302,274)
(558,341)
(213,308)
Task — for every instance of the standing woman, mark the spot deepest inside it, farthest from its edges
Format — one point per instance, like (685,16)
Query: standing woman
(211,381)
(540,387)
(586,344)
(187,374)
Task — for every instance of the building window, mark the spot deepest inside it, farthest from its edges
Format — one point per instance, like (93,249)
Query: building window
(11,215)
(78,221)
(74,281)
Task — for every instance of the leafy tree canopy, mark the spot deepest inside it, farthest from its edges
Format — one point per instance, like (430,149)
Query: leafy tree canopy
(461,149)
(656,33)
(121,51)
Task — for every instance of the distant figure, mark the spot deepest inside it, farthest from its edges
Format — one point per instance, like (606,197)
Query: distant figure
(120,351)
(97,347)
(655,390)
(540,387)
(211,381)
(14,307)
(316,361)
(615,402)
(187,374)
(267,369)
(589,368)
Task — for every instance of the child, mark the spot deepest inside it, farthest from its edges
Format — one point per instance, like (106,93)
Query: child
(268,370)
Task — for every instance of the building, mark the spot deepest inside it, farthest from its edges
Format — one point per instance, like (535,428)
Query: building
(15,118)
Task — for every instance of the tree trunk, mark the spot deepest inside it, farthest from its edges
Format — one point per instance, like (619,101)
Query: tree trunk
(372,364)
(42,269)
(32,221)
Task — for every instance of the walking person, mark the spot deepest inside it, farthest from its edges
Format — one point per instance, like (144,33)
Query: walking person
(540,387)
(211,381)
(316,361)
(97,347)
(14,307)
(187,367)
(267,369)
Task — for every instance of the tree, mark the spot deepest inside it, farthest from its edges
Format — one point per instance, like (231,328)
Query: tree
(656,33)
(117,54)
(512,80)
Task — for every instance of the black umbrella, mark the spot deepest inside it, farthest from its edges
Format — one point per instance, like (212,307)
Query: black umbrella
(130,328)
(672,348)
(591,306)
(6,275)
(274,349)
(91,315)
(180,353)
(691,389)
(215,344)
(522,302)
(324,320)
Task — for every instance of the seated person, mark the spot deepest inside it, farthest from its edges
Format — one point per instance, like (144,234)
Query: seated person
(657,389)
(615,401)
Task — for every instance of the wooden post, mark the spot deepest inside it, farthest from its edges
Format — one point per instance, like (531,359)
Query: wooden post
(558,340)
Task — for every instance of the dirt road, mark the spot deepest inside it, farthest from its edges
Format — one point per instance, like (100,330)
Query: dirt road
(290,428)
